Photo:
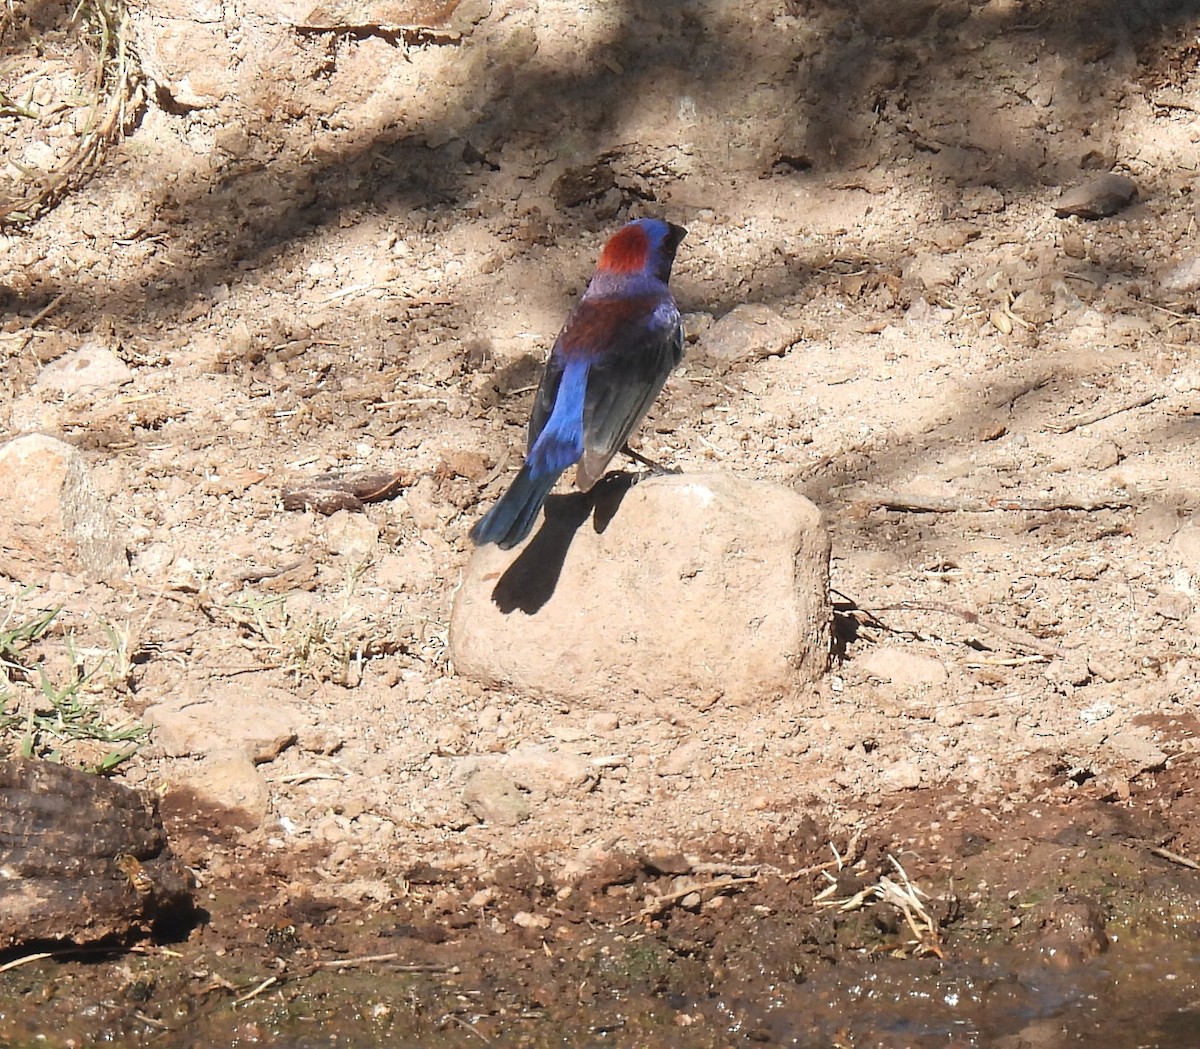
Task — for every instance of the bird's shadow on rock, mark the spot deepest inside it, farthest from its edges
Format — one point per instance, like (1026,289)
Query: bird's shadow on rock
(529,582)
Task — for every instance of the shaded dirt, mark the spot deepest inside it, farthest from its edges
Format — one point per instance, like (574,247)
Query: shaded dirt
(353,256)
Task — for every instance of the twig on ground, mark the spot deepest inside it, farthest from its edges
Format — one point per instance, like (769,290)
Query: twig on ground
(919,504)
(1106,413)
(661,903)
(269,982)
(1174,857)
(1013,636)
(25,960)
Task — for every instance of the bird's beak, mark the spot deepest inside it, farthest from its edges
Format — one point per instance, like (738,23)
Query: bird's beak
(677,234)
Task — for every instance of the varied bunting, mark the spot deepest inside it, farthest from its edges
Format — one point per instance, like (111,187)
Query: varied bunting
(606,367)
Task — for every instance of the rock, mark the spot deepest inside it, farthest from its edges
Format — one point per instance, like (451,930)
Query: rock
(701,587)
(1156,523)
(1135,753)
(345,15)
(747,332)
(902,667)
(81,857)
(928,270)
(1184,547)
(92,367)
(228,780)
(549,773)
(189,59)
(261,722)
(1102,456)
(494,798)
(1073,930)
(1182,278)
(1098,198)
(351,535)
(58,520)
(578,185)
(903,775)
(682,761)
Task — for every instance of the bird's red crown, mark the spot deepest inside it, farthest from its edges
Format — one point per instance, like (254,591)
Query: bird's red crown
(627,251)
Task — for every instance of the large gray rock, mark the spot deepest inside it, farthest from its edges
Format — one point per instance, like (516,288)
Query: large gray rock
(701,587)
(54,517)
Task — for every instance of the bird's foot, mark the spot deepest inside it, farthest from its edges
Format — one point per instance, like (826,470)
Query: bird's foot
(655,468)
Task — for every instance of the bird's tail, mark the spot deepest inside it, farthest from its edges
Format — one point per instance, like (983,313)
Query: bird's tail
(511,519)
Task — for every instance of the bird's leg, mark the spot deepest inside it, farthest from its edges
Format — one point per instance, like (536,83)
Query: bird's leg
(656,468)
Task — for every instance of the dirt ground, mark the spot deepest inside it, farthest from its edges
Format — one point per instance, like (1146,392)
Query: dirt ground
(348,246)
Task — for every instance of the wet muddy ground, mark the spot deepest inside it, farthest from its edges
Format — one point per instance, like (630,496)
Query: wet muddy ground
(1055,927)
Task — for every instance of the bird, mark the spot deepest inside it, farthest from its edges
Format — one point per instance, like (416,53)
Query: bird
(607,366)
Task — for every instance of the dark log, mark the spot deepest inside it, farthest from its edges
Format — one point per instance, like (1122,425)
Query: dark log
(82,858)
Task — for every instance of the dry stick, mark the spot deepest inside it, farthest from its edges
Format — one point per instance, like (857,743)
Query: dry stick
(1013,636)
(1174,857)
(660,903)
(918,504)
(410,967)
(25,961)
(258,575)
(270,981)
(470,1027)
(1107,413)
(46,310)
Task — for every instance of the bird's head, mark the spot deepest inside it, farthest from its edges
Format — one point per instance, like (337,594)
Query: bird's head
(644,247)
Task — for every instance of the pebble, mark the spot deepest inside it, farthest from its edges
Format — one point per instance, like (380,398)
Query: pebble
(494,798)
(903,775)
(1182,278)
(1098,198)
(92,367)
(682,761)
(60,520)
(749,331)
(903,668)
(351,535)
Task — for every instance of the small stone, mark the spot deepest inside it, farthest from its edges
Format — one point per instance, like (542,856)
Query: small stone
(903,775)
(928,270)
(605,721)
(1073,246)
(578,185)
(903,668)
(1182,278)
(525,920)
(57,519)
(949,716)
(263,722)
(228,780)
(351,535)
(749,331)
(154,560)
(494,798)
(92,367)
(1102,456)
(1156,523)
(1098,198)
(1173,605)
(682,761)
(1184,548)
(549,773)
(982,200)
